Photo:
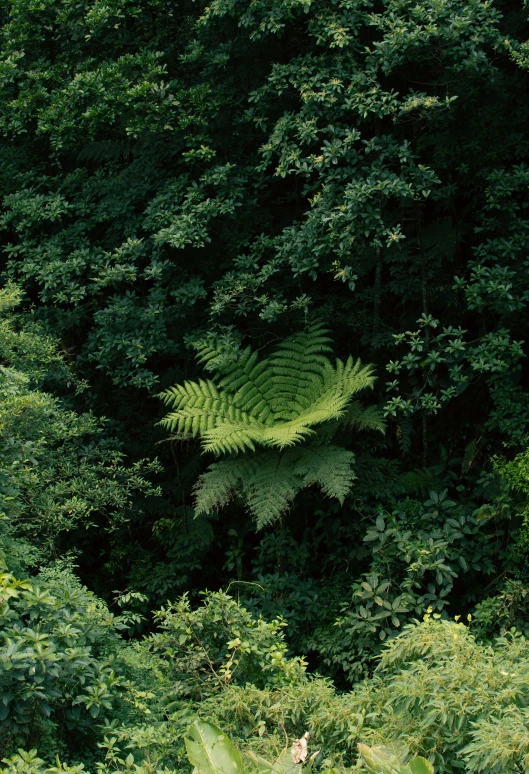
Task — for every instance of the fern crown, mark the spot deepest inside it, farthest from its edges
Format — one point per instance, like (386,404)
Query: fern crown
(270,402)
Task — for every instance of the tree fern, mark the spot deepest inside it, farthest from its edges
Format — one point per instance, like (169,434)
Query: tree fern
(272,402)
(291,404)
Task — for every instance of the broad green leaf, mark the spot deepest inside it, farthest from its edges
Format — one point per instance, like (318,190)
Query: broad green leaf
(210,751)
(420,765)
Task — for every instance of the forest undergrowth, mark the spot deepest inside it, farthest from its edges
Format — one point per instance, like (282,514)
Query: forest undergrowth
(264,416)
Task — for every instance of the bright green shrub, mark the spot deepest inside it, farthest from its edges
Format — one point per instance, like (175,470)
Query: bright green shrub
(58,643)
(437,692)
(442,694)
(218,644)
(207,660)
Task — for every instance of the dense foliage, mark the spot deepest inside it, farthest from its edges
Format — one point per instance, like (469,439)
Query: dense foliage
(220,224)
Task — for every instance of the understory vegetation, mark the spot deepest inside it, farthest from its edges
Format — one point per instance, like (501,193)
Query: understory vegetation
(264,387)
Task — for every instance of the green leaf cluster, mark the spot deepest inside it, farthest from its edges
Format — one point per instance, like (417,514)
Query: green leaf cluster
(58,644)
(57,468)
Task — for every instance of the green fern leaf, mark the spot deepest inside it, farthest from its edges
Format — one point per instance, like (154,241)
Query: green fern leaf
(233,436)
(283,403)
(270,489)
(217,486)
(370,418)
(331,467)
(249,382)
(297,371)
(268,482)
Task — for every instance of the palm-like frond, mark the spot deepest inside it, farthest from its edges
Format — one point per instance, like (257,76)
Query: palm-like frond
(218,485)
(232,436)
(268,481)
(366,418)
(297,370)
(247,380)
(274,402)
(271,487)
(330,467)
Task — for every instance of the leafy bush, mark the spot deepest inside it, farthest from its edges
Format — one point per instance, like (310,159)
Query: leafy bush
(372,576)
(416,558)
(437,692)
(218,644)
(229,171)
(445,696)
(58,647)
(58,471)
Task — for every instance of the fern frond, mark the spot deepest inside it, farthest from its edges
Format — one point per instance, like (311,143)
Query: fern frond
(268,482)
(216,354)
(248,380)
(331,467)
(198,420)
(360,418)
(329,406)
(265,481)
(307,345)
(285,434)
(206,351)
(188,393)
(269,491)
(218,485)
(199,407)
(353,376)
(274,402)
(232,437)
(297,368)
